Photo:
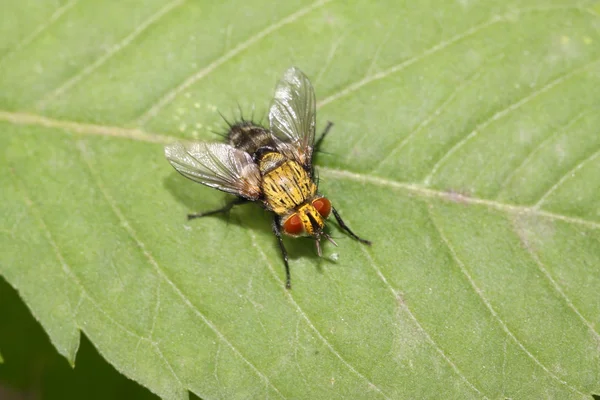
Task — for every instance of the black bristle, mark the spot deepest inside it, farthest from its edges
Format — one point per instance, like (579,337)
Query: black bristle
(241,112)
(225,119)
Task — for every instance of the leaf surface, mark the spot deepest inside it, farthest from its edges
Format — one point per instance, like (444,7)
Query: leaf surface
(465,147)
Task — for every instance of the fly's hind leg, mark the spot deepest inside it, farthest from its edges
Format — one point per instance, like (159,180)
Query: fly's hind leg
(277,232)
(345,227)
(225,209)
(317,145)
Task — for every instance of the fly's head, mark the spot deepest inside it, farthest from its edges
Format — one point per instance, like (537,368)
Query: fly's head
(309,220)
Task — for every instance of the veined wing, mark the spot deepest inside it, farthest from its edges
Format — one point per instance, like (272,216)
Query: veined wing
(292,114)
(217,165)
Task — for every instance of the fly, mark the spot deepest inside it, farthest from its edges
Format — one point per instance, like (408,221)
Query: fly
(272,167)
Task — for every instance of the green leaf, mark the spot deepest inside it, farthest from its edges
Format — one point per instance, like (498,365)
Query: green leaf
(33,369)
(465,147)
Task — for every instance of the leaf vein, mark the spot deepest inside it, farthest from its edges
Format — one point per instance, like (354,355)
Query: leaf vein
(488,305)
(542,268)
(353,87)
(307,319)
(147,137)
(431,117)
(571,173)
(420,327)
(539,147)
(432,50)
(68,271)
(169,366)
(330,56)
(160,272)
(455,197)
(503,113)
(156,311)
(202,73)
(59,12)
(89,69)
(139,135)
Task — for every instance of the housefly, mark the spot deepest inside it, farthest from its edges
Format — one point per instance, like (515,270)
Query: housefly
(272,167)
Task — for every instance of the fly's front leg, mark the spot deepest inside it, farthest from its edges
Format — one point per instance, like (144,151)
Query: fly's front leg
(345,227)
(225,209)
(277,232)
(317,145)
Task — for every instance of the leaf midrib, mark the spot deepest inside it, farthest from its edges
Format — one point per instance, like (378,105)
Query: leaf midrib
(140,135)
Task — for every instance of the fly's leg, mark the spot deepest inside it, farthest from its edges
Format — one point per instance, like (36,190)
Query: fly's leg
(317,149)
(345,227)
(277,232)
(225,209)
(317,145)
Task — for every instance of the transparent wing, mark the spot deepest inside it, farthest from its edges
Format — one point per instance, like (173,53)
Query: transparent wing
(216,165)
(292,114)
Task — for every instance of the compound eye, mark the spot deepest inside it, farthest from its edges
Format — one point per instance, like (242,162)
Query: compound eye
(293,225)
(323,206)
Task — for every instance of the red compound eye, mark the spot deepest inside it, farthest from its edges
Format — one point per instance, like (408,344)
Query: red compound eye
(293,225)
(323,206)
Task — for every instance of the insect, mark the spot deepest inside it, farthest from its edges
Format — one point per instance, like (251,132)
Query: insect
(272,167)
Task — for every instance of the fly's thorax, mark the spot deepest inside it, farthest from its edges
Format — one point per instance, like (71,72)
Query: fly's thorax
(249,137)
(285,184)
(308,219)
